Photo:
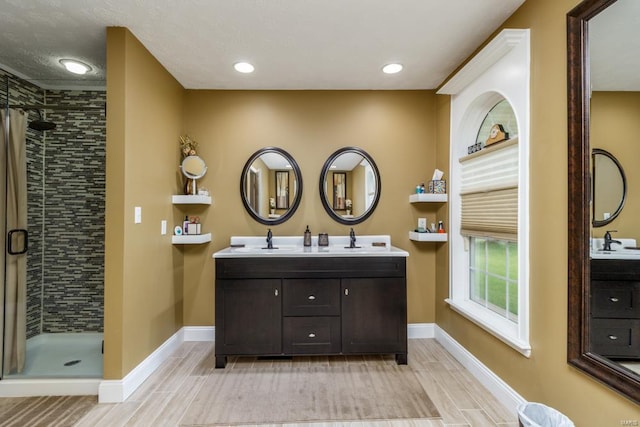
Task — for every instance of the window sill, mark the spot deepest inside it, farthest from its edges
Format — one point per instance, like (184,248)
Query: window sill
(496,325)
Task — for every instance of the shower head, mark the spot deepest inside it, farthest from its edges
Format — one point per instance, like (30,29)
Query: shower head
(40,124)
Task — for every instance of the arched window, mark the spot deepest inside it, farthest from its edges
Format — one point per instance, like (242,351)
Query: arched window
(489,191)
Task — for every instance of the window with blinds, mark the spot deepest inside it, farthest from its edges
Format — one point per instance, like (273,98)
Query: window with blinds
(489,192)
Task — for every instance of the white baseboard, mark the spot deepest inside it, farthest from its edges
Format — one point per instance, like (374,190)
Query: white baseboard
(115,391)
(507,396)
(199,333)
(420,330)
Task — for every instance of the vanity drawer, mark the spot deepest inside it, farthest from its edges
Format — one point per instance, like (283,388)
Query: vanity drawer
(616,337)
(311,335)
(311,297)
(614,299)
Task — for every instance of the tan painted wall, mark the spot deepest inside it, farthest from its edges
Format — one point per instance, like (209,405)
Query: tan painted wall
(396,128)
(143,271)
(615,127)
(545,377)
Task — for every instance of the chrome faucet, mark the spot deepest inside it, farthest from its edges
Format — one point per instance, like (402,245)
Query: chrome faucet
(608,240)
(269,239)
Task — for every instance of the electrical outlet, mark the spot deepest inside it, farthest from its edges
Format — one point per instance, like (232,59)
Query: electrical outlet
(163,227)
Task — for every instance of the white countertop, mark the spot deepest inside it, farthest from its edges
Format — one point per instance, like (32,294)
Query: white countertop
(618,251)
(292,246)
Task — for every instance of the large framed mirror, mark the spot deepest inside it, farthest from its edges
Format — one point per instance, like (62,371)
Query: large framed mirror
(350,185)
(271,186)
(609,187)
(598,31)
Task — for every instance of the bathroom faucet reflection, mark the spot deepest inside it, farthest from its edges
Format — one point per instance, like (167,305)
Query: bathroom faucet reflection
(608,240)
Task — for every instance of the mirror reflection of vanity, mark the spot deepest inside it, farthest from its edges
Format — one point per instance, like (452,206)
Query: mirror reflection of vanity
(271,186)
(349,185)
(604,89)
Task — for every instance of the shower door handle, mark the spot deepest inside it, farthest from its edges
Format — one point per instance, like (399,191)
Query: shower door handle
(14,235)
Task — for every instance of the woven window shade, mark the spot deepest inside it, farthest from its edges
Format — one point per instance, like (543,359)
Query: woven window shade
(489,194)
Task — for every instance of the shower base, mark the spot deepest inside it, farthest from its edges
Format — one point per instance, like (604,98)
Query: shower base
(63,355)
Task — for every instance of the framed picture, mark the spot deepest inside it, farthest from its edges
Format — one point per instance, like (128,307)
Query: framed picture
(339,190)
(282,189)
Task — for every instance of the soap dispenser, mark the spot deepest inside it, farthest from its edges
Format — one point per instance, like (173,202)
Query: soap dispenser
(307,237)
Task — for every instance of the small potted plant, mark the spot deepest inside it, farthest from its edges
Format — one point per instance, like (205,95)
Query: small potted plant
(347,203)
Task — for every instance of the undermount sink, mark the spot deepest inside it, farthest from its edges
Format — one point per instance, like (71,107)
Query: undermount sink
(259,249)
(359,249)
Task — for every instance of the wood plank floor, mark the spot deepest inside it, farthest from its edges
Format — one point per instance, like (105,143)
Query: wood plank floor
(166,397)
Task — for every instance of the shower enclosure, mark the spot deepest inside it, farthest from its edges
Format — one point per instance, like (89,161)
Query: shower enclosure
(52,270)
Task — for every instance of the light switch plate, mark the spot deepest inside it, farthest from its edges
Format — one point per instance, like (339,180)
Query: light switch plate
(163,227)
(137,215)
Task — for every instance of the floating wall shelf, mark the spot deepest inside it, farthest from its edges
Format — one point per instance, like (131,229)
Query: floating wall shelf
(189,199)
(191,239)
(427,197)
(428,237)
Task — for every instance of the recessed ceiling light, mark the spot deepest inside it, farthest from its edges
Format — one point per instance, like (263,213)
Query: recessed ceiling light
(243,67)
(75,67)
(392,68)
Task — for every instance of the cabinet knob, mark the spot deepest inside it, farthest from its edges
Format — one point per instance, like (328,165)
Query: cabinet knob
(312,335)
(346,291)
(613,299)
(276,292)
(613,337)
(311,297)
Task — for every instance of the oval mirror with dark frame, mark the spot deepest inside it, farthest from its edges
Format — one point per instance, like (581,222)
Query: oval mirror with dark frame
(581,63)
(350,185)
(271,186)
(609,187)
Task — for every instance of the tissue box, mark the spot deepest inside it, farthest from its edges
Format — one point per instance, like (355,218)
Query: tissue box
(193,228)
(438,187)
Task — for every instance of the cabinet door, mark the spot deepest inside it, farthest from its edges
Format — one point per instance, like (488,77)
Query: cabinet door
(374,315)
(248,317)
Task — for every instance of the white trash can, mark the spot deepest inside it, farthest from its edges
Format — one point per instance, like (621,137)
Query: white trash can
(531,414)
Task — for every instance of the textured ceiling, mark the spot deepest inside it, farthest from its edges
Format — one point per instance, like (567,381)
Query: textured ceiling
(294,44)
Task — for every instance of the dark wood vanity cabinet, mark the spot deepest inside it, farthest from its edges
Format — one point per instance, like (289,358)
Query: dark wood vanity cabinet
(615,308)
(251,313)
(310,306)
(370,316)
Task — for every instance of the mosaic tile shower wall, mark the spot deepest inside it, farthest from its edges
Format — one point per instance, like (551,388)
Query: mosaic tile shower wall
(66,185)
